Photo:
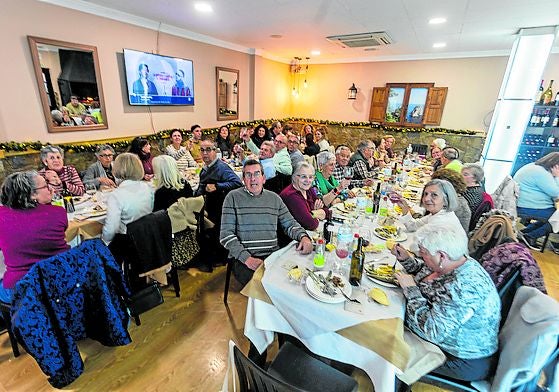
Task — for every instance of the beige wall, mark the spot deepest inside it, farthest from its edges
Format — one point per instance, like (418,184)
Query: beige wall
(271,81)
(21,116)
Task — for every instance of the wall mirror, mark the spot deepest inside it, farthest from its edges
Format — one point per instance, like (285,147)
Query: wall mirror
(69,84)
(227,93)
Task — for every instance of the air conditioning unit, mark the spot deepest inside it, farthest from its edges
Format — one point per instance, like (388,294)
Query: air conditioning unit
(362,40)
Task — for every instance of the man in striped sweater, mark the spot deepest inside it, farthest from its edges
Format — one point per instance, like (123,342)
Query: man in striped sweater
(249,223)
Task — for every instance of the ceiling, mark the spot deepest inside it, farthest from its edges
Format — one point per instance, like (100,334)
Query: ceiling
(473,27)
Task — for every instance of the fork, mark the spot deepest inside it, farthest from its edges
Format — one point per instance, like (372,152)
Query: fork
(346,296)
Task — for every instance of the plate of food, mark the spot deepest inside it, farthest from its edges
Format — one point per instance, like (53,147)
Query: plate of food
(97,210)
(415,183)
(390,233)
(381,273)
(81,199)
(335,282)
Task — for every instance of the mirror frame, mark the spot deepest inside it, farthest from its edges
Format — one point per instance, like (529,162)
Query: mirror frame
(221,117)
(33,45)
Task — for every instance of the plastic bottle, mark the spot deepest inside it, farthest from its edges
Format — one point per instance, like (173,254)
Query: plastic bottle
(409,150)
(383,207)
(344,241)
(318,259)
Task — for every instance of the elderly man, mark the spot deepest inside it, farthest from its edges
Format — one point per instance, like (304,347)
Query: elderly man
(295,154)
(57,175)
(362,161)
(194,143)
(250,222)
(100,172)
(266,157)
(282,161)
(75,107)
(343,154)
(449,159)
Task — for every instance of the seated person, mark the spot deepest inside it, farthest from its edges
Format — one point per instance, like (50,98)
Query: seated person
(31,229)
(300,198)
(320,138)
(362,161)
(89,120)
(473,176)
(141,148)
(101,172)
(260,134)
(329,189)
(266,158)
(58,176)
(389,143)
(223,142)
(75,107)
(449,159)
(311,148)
(462,212)
(436,154)
(451,301)
(250,207)
(60,119)
(132,199)
(381,155)
(170,185)
(295,155)
(343,154)
(195,142)
(281,158)
(179,152)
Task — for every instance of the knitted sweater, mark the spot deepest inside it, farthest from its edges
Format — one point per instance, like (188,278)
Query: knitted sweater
(249,224)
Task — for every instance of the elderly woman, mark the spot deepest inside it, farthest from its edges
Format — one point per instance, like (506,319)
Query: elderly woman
(101,172)
(142,149)
(31,229)
(473,176)
(437,143)
(436,153)
(462,212)
(169,183)
(58,176)
(223,142)
(330,190)
(539,190)
(451,301)
(300,198)
(179,152)
(439,200)
(132,199)
(320,137)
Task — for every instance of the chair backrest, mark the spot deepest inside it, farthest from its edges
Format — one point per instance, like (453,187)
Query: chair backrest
(486,205)
(421,149)
(252,378)
(507,290)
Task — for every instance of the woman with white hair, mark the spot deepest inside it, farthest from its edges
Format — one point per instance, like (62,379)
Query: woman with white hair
(451,301)
(58,175)
(170,185)
(301,200)
(473,176)
(328,187)
(101,172)
(439,200)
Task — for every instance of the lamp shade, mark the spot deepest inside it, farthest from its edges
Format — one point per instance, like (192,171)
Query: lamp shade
(352,92)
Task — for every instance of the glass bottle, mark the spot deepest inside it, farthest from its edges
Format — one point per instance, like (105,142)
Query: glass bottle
(548,94)
(357,261)
(539,94)
(67,196)
(318,259)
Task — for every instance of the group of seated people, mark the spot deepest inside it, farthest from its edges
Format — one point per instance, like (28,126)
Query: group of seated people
(75,113)
(451,301)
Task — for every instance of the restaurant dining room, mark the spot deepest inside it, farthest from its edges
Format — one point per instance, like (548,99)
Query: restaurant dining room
(269,195)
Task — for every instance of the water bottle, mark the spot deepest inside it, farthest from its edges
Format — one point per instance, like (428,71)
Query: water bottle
(344,241)
(218,153)
(383,208)
(318,259)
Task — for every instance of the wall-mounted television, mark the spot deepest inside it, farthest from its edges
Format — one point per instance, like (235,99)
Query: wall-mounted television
(153,79)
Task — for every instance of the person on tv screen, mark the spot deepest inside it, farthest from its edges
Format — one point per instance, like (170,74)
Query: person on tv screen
(180,88)
(143,85)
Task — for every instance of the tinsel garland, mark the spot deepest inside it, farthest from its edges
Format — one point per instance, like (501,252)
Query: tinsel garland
(165,134)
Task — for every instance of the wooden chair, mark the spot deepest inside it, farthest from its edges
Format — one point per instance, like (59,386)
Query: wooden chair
(5,311)
(421,149)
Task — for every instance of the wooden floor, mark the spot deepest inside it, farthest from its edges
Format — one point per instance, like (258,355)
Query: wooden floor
(180,346)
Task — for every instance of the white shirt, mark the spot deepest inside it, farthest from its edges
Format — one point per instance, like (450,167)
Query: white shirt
(128,203)
(443,217)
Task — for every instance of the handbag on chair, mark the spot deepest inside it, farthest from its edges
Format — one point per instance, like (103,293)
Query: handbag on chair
(145,299)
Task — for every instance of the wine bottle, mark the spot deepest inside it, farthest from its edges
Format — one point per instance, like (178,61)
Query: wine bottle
(67,196)
(357,261)
(548,94)
(545,118)
(539,94)
(556,120)
(376,199)
(533,118)
(557,99)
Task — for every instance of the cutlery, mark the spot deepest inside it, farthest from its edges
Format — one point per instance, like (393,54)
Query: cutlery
(318,280)
(327,288)
(346,296)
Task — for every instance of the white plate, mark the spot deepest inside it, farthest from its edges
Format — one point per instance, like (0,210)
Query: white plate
(380,282)
(81,199)
(400,238)
(314,290)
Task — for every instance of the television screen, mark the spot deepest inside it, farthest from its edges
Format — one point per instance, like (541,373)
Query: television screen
(158,80)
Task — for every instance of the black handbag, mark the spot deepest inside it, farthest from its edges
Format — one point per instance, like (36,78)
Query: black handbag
(145,299)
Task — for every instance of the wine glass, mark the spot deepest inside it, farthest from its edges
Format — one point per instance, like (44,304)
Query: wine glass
(90,189)
(348,173)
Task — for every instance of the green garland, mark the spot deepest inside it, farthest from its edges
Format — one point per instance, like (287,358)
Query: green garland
(165,134)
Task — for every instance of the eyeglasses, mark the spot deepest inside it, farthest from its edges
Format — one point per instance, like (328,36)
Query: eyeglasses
(208,149)
(255,174)
(279,141)
(43,187)
(305,177)
(106,155)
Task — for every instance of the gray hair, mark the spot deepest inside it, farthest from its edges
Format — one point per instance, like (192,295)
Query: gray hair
(439,237)
(364,144)
(342,148)
(450,197)
(269,144)
(441,143)
(103,147)
(18,189)
(57,115)
(300,167)
(51,149)
(476,170)
(324,157)
(450,153)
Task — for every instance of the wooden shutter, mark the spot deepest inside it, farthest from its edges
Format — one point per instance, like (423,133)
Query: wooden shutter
(378,104)
(435,105)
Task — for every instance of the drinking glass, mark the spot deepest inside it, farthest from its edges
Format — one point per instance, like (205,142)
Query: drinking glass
(348,173)
(90,189)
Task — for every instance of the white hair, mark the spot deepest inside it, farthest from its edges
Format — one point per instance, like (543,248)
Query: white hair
(449,239)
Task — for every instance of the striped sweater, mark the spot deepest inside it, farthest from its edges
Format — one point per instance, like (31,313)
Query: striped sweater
(249,224)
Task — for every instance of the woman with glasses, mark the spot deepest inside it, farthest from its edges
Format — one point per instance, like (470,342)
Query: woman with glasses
(301,200)
(31,229)
(101,172)
(330,190)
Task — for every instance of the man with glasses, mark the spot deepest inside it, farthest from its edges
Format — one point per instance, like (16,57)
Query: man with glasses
(282,161)
(249,227)
(362,161)
(100,172)
(295,154)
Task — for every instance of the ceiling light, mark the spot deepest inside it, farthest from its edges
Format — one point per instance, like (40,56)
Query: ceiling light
(439,44)
(315,52)
(437,21)
(203,7)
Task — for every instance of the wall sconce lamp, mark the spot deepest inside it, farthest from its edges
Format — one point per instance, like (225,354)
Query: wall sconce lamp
(235,87)
(352,92)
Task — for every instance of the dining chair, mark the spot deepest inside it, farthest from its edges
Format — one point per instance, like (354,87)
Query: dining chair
(421,149)
(228,273)
(5,309)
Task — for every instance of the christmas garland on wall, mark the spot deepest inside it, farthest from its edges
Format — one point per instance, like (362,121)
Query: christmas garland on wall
(165,134)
